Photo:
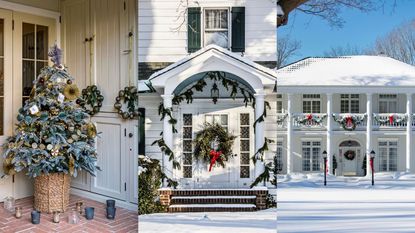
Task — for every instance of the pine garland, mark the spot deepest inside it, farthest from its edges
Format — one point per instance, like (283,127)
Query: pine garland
(261,151)
(167,151)
(263,177)
(264,114)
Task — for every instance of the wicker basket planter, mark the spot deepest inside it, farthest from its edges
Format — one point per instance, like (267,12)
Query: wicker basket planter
(52,192)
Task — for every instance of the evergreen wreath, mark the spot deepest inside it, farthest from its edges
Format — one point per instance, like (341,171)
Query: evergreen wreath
(204,139)
(349,122)
(91,97)
(349,155)
(130,97)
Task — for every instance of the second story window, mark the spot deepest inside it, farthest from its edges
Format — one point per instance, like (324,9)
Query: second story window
(216,27)
(388,103)
(311,103)
(349,103)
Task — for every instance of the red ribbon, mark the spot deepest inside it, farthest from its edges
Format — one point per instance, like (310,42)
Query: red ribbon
(391,119)
(371,165)
(309,117)
(214,155)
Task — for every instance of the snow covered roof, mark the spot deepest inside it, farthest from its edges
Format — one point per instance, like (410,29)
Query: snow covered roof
(347,71)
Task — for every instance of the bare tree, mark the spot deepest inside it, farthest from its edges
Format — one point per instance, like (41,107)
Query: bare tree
(286,48)
(327,9)
(398,44)
(347,50)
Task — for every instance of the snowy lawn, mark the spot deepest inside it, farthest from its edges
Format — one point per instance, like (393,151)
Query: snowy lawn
(210,222)
(346,204)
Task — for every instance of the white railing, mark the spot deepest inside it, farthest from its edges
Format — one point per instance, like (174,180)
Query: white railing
(392,120)
(282,120)
(309,120)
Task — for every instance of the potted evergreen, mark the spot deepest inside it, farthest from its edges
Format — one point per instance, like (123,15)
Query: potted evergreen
(54,137)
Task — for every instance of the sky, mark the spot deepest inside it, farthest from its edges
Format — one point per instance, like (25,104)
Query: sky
(359,30)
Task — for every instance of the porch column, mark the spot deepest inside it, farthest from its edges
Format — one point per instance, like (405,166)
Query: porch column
(368,132)
(408,131)
(289,133)
(329,131)
(168,138)
(259,132)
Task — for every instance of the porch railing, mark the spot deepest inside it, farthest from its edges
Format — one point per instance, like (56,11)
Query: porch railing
(391,120)
(309,120)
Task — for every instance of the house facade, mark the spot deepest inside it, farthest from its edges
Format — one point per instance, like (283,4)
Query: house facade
(99,42)
(348,107)
(182,45)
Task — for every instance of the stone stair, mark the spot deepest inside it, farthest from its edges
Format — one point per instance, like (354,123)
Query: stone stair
(213,200)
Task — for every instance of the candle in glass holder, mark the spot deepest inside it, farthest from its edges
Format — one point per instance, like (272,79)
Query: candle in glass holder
(56,217)
(73,217)
(79,206)
(9,204)
(18,212)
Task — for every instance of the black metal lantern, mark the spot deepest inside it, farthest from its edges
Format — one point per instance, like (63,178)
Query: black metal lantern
(214,93)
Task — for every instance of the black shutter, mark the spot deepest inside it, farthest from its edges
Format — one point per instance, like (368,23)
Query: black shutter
(238,29)
(193,29)
(141,132)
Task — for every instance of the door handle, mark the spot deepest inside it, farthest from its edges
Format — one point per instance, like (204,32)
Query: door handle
(130,135)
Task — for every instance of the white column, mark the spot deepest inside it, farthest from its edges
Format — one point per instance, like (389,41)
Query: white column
(289,134)
(368,132)
(329,131)
(259,132)
(408,131)
(168,138)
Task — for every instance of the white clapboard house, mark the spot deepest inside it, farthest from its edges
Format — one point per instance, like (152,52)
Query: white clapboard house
(348,107)
(182,43)
(98,49)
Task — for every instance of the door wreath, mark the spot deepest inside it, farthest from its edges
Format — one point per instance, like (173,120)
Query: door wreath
(213,145)
(350,155)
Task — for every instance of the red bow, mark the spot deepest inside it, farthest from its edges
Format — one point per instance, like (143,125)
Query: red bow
(214,155)
(309,117)
(349,121)
(391,119)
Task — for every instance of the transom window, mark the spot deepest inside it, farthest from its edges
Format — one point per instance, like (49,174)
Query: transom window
(388,156)
(217,27)
(388,103)
(311,155)
(311,103)
(349,103)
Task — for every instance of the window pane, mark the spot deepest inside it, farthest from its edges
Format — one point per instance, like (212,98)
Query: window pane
(392,106)
(187,171)
(244,145)
(393,159)
(28,38)
(306,106)
(244,172)
(306,159)
(224,119)
(28,76)
(244,119)
(187,132)
(187,119)
(279,106)
(218,38)
(344,106)
(383,107)
(244,132)
(41,42)
(316,107)
(245,158)
(39,66)
(354,105)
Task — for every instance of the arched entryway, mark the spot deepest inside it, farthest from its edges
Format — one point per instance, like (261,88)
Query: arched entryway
(350,153)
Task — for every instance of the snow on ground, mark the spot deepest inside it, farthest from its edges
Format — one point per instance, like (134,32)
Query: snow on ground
(347,204)
(210,222)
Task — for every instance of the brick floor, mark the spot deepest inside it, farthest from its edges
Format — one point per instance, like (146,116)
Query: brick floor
(125,220)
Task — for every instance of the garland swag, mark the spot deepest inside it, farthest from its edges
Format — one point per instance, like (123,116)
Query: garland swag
(310,119)
(349,122)
(187,95)
(392,119)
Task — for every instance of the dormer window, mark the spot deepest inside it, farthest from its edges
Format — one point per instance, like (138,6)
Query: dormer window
(217,27)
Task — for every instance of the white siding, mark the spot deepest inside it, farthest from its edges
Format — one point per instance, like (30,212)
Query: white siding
(163,29)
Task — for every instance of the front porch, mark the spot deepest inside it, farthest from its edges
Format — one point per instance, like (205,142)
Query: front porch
(125,220)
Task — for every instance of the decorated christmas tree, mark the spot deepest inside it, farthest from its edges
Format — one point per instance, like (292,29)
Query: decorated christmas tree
(53,133)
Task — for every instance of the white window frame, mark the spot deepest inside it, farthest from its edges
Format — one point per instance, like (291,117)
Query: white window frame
(313,99)
(349,98)
(385,160)
(226,126)
(388,99)
(183,139)
(314,160)
(229,30)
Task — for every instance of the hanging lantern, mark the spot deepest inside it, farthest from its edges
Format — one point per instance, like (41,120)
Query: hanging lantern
(214,93)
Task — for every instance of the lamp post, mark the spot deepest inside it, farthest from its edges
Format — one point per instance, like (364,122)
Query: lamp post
(372,158)
(324,154)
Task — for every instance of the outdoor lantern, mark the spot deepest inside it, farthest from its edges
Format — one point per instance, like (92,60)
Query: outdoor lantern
(214,93)
(324,154)
(372,158)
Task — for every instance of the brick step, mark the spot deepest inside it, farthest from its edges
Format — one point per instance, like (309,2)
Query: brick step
(212,208)
(213,200)
(214,192)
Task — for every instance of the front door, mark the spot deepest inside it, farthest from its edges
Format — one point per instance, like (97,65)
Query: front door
(238,171)
(350,154)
